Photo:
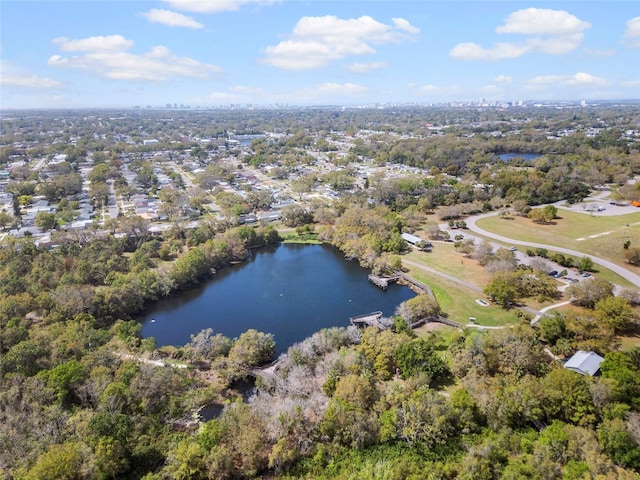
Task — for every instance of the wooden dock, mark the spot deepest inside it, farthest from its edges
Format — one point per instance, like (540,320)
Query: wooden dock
(382,282)
(372,319)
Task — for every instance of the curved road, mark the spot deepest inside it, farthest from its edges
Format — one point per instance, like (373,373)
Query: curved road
(623,272)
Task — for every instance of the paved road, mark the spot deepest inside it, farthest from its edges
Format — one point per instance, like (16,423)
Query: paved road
(623,272)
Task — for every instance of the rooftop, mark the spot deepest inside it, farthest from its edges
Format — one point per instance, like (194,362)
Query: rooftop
(585,363)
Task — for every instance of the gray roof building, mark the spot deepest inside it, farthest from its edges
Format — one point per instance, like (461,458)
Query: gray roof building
(585,363)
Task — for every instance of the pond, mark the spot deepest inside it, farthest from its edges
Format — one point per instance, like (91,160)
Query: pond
(526,156)
(289,290)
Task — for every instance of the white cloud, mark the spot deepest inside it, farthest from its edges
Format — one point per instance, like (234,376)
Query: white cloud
(28,81)
(366,67)
(328,92)
(214,6)
(503,79)
(556,45)
(556,32)
(633,32)
(317,41)
(110,43)
(157,64)
(499,51)
(403,24)
(580,79)
(171,19)
(543,21)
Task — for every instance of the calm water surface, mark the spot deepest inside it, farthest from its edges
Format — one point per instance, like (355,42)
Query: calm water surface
(291,291)
(526,156)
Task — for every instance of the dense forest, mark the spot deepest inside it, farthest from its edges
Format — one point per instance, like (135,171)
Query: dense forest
(82,395)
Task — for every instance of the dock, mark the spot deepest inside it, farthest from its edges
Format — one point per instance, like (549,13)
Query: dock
(373,319)
(382,282)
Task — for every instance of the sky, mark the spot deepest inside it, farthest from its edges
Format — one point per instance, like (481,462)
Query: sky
(210,53)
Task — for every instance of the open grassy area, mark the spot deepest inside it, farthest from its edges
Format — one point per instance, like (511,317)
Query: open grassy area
(601,236)
(576,231)
(460,303)
(444,258)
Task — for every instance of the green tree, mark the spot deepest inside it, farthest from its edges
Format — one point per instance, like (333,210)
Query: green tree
(99,173)
(45,221)
(5,219)
(190,268)
(502,290)
(614,312)
(619,444)
(585,265)
(61,461)
(419,357)
(63,377)
(357,390)
(567,397)
(253,348)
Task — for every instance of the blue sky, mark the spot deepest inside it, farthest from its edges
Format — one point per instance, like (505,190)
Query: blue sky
(109,53)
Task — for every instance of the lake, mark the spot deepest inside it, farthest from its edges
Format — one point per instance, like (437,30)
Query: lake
(526,156)
(289,290)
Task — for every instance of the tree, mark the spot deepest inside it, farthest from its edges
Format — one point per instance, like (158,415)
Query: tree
(60,461)
(99,173)
(483,252)
(632,255)
(5,219)
(543,215)
(99,194)
(588,292)
(614,312)
(357,390)
(63,377)
(567,397)
(296,215)
(45,221)
(303,184)
(502,290)
(253,348)
(419,357)
(585,265)
(419,307)
(190,268)
(210,346)
(618,443)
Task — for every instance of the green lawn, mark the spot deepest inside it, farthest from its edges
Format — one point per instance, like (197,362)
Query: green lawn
(460,303)
(602,236)
(444,258)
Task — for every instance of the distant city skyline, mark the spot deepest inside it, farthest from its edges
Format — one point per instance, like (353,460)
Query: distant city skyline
(112,54)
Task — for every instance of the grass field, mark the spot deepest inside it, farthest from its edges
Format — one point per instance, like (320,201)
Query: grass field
(444,258)
(455,300)
(601,236)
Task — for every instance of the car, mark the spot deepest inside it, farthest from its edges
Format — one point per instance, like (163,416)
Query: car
(586,274)
(513,249)
(553,273)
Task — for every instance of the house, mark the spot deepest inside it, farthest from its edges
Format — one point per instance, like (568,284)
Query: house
(585,363)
